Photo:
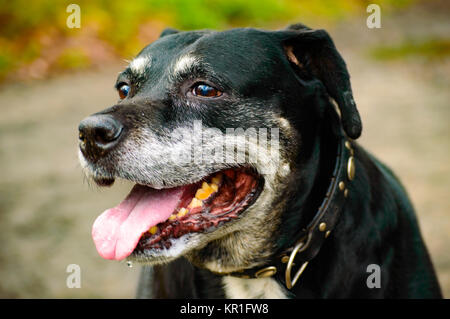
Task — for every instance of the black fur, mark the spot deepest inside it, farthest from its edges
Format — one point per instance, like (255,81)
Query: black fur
(377,225)
(262,83)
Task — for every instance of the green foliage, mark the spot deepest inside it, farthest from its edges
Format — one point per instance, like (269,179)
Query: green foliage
(30,28)
(196,14)
(73,58)
(428,48)
(6,62)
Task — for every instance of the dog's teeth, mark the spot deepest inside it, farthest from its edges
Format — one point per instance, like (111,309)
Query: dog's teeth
(206,186)
(172,217)
(183,211)
(153,230)
(204,192)
(201,194)
(195,203)
(217,179)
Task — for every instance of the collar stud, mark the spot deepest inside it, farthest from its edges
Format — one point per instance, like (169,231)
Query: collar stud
(322,226)
(351,168)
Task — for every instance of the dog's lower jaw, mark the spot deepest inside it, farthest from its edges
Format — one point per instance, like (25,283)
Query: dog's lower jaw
(247,243)
(178,249)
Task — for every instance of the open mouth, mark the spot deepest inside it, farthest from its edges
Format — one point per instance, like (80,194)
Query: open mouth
(150,219)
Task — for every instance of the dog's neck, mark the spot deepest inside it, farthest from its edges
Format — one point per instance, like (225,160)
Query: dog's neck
(305,243)
(311,180)
(308,194)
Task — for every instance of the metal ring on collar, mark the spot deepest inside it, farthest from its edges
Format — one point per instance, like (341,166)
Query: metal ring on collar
(291,283)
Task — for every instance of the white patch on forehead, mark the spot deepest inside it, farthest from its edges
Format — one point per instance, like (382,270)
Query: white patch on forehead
(139,65)
(184,62)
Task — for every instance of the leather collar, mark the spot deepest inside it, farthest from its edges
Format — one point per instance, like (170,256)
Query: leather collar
(320,227)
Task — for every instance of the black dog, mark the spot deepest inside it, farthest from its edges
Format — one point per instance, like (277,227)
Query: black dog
(248,181)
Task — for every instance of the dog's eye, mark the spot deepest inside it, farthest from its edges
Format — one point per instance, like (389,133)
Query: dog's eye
(124,90)
(205,90)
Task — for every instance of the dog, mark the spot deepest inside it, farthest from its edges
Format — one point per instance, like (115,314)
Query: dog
(306,213)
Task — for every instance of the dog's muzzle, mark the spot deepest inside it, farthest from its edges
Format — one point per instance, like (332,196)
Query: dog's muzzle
(99,134)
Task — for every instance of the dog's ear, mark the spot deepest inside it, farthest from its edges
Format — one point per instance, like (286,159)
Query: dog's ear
(168,31)
(314,51)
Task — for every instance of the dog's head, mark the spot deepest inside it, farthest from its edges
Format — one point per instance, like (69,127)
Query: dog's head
(215,129)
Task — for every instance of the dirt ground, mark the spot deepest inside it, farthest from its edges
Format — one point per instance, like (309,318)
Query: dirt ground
(47,208)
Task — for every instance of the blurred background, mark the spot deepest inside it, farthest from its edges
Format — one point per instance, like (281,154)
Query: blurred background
(52,76)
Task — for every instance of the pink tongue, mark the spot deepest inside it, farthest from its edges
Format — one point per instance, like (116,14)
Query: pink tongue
(117,231)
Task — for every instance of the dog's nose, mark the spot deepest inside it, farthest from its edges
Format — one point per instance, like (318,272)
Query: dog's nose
(98,134)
